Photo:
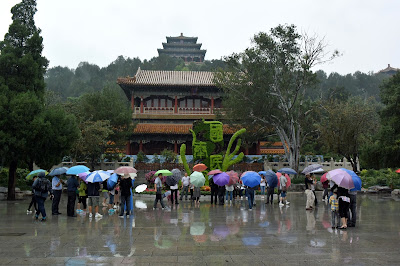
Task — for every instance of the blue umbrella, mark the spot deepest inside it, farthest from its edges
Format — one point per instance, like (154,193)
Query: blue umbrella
(251,240)
(112,181)
(250,179)
(58,171)
(288,171)
(77,169)
(356,180)
(272,178)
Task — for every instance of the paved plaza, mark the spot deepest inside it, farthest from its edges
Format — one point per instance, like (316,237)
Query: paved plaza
(205,235)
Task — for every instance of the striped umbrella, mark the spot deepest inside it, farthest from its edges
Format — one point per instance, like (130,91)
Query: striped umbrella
(97,176)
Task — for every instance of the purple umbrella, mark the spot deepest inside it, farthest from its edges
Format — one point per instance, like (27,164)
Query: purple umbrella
(221,179)
(83,176)
(221,231)
(341,178)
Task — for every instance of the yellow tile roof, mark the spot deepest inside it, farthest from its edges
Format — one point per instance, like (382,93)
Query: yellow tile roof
(166,78)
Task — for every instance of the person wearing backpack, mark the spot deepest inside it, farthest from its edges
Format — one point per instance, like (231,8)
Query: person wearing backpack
(42,187)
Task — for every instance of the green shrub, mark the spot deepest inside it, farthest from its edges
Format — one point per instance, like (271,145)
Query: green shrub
(21,182)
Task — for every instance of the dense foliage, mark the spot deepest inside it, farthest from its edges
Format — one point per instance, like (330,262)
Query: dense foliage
(29,130)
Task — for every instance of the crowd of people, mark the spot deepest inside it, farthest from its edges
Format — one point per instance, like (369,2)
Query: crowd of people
(342,201)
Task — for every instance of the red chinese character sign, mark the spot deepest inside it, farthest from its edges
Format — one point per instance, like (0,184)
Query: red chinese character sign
(208,146)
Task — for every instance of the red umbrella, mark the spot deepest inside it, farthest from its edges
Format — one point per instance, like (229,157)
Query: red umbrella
(214,172)
(233,177)
(323,178)
(398,171)
(289,181)
(200,167)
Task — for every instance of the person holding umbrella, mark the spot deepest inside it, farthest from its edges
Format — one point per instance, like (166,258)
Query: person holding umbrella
(174,190)
(42,188)
(72,186)
(158,189)
(125,188)
(283,188)
(56,186)
(82,196)
(94,199)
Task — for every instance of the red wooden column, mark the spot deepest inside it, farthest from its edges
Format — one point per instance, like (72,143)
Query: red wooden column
(141,105)
(176,105)
(258,148)
(128,148)
(133,102)
(140,146)
(212,104)
(176,147)
(246,151)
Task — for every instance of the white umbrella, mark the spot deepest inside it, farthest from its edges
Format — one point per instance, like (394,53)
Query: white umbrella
(317,171)
(141,188)
(140,204)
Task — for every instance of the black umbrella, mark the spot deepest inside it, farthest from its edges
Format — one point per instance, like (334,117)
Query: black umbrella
(171,181)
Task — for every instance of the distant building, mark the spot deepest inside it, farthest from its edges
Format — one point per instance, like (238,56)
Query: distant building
(389,70)
(183,47)
(166,103)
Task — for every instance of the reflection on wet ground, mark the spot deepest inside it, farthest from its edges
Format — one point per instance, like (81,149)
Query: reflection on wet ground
(204,235)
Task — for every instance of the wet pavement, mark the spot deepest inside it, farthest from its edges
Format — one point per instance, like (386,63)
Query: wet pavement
(205,235)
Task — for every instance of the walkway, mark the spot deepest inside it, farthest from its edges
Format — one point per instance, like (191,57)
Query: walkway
(209,235)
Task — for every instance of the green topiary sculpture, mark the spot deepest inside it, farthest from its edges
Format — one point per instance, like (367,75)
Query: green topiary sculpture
(208,144)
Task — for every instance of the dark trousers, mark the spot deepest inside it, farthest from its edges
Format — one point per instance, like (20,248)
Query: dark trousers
(315,201)
(34,203)
(250,197)
(41,209)
(125,200)
(56,201)
(185,190)
(71,203)
(214,194)
(270,194)
(191,193)
(352,210)
(221,194)
(158,198)
(174,191)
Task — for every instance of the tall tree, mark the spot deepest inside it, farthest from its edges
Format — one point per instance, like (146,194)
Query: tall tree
(385,151)
(266,84)
(347,126)
(22,68)
(108,108)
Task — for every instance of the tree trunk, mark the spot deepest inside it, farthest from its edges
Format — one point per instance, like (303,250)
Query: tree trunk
(12,180)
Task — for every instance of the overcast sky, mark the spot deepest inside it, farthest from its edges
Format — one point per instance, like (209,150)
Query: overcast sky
(98,31)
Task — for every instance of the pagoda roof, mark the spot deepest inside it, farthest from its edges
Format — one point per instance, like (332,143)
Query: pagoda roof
(181,51)
(389,69)
(183,45)
(181,37)
(176,129)
(169,78)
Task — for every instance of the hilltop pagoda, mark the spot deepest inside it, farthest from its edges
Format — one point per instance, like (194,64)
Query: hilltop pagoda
(183,47)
